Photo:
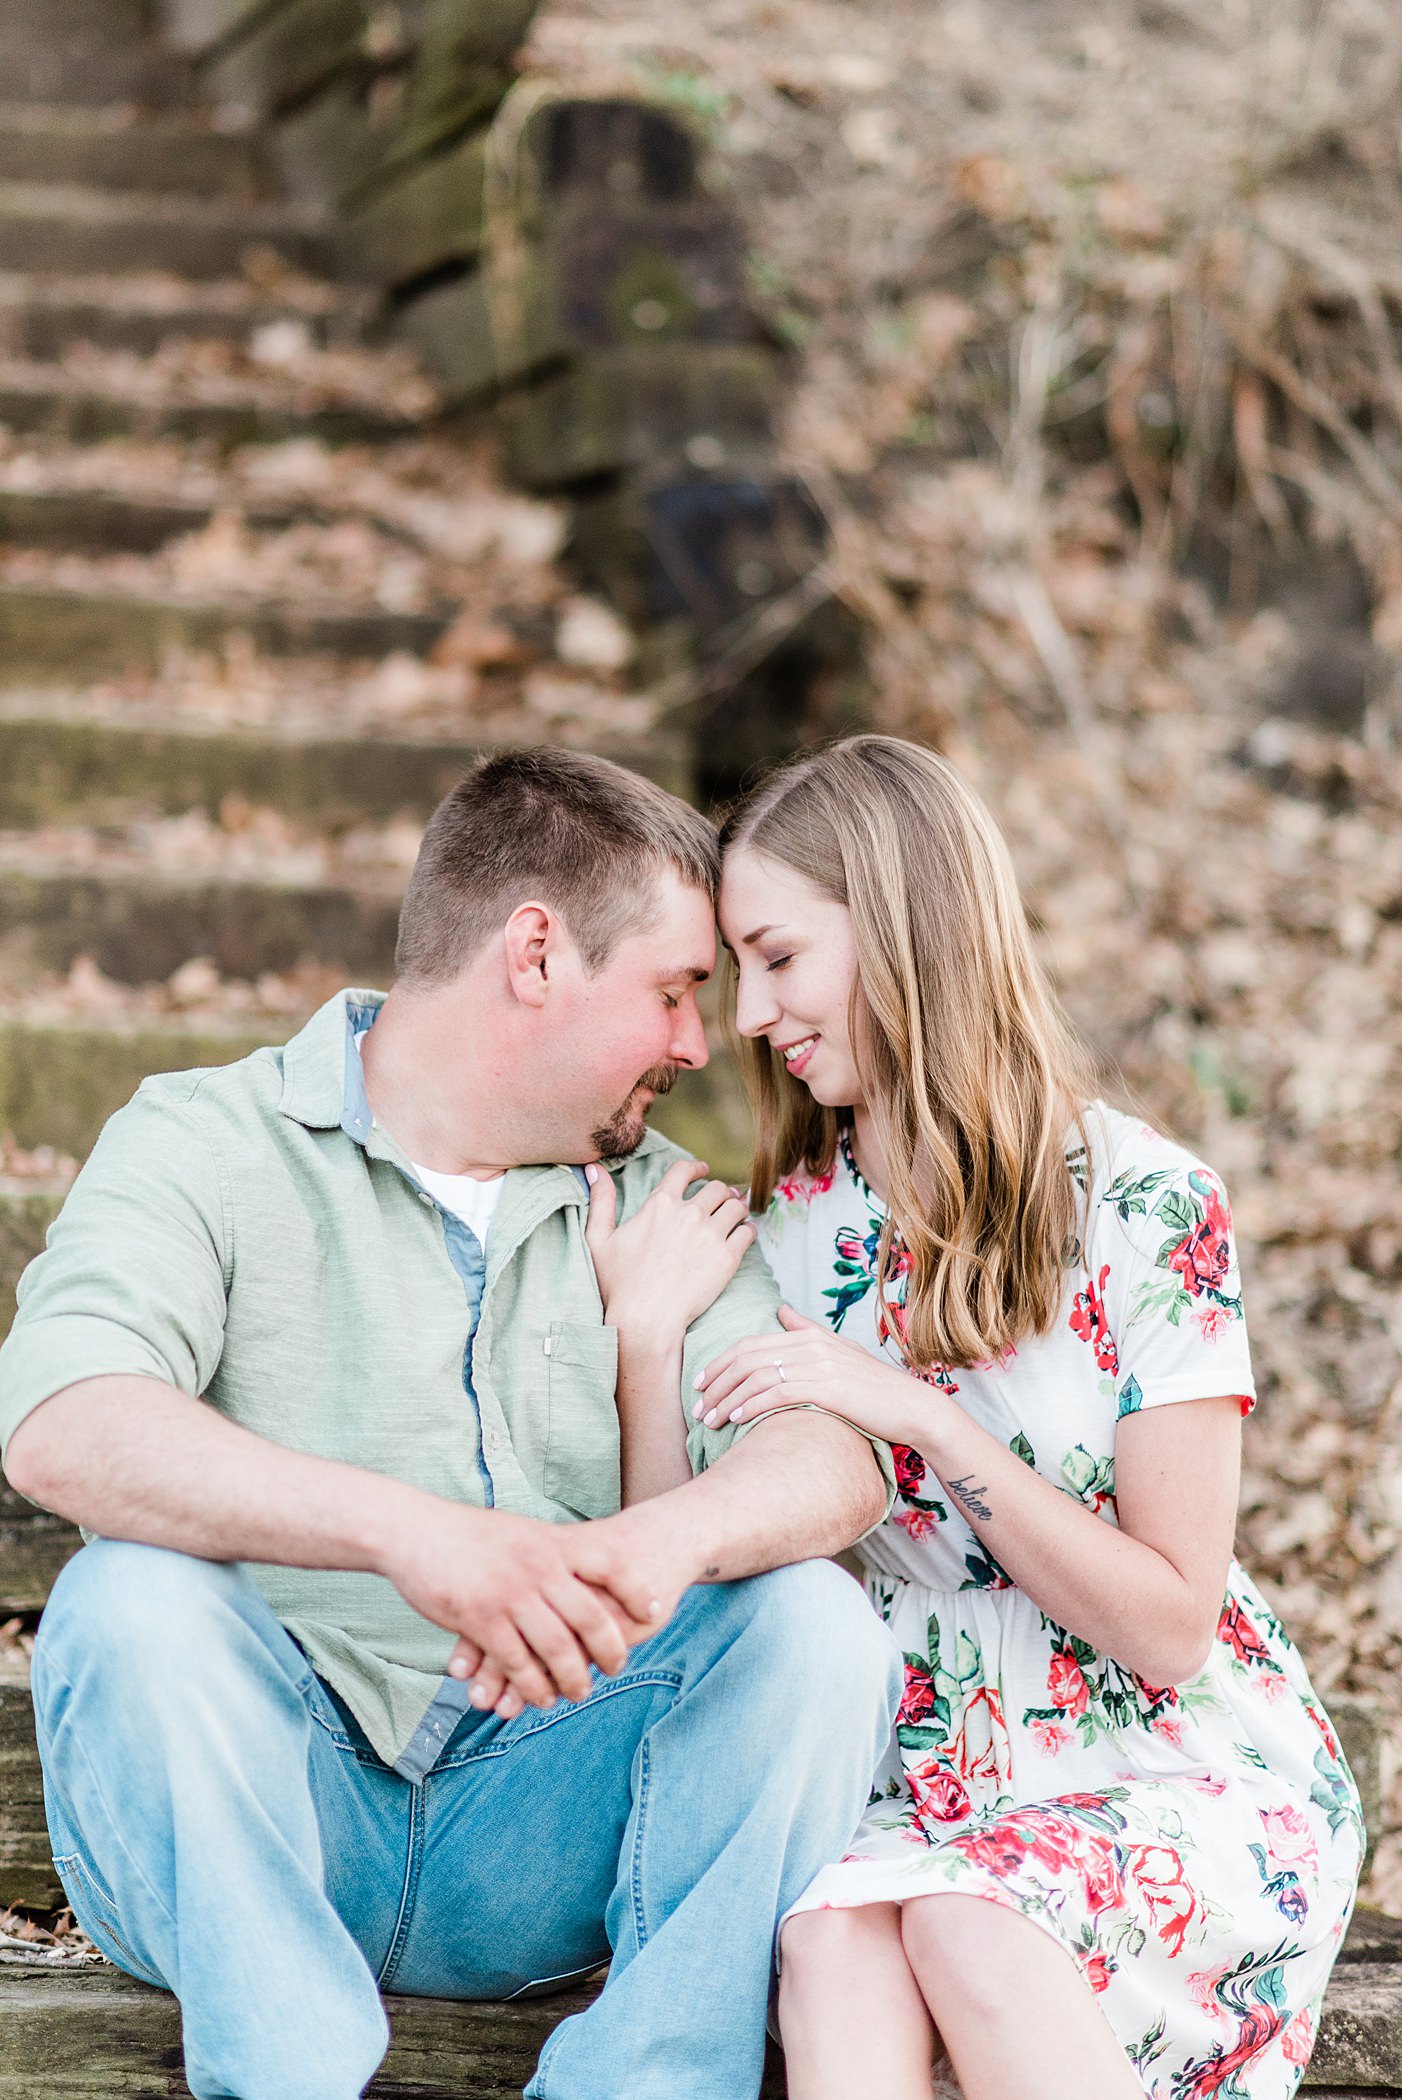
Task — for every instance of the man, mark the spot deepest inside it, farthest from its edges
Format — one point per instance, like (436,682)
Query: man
(461,1725)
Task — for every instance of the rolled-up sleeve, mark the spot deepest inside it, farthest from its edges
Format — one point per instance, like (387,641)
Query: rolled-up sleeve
(748,1305)
(133,1277)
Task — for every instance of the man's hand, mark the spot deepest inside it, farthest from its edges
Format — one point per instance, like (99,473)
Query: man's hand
(674,1256)
(627,1571)
(533,1604)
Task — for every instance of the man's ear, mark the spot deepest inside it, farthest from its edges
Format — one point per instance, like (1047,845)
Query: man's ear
(532,942)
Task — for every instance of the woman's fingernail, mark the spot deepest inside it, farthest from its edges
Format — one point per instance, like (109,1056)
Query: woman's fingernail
(712,1418)
(699,1380)
(737,1414)
(698,1410)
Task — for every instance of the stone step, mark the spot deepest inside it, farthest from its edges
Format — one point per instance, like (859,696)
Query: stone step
(53,632)
(89,70)
(83,766)
(33,1548)
(27,1210)
(110,19)
(65,1078)
(70,227)
(105,520)
(42,399)
(41,317)
(111,149)
(90,2033)
(1360,2034)
(140,925)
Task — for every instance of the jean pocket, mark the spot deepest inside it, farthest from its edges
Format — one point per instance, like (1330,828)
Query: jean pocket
(97,1913)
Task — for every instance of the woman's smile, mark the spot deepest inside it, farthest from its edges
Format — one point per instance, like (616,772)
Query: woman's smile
(797,1054)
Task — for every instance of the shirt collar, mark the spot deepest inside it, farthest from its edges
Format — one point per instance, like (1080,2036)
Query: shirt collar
(322,1083)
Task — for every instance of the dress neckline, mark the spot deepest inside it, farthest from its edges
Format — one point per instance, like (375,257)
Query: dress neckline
(844,1146)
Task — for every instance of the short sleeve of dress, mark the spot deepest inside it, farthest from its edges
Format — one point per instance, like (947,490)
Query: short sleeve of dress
(1162,1287)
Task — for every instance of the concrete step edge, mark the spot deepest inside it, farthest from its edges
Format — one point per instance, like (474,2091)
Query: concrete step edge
(115,120)
(158,292)
(72,204)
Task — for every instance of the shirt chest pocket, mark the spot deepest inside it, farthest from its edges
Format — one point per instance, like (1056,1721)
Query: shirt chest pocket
(581,1469)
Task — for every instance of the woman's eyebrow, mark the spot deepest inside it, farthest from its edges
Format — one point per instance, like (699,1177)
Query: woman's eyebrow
(747,940)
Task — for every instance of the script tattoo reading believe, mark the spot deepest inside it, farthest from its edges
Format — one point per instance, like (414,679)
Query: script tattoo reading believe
(971,1497)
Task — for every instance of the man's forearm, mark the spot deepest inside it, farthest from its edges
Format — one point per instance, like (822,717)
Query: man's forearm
(800,1485)
(134,1459)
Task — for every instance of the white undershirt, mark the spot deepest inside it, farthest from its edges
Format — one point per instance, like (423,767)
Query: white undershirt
(467,1198)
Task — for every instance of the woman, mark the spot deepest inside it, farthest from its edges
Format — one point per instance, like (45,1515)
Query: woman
(1115,1846)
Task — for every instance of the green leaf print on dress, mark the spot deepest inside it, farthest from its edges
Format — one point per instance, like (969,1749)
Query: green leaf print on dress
(1092,1695)
(952,1735)
(854,1266)
(1255,2005)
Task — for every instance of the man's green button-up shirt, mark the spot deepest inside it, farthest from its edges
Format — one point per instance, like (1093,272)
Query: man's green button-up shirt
(248,1234)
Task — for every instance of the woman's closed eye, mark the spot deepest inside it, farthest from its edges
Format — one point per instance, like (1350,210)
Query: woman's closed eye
(779,962)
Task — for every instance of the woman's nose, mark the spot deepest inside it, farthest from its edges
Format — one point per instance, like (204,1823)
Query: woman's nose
(755,1006)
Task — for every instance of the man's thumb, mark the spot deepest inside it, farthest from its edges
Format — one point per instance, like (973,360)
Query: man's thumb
(603,1205)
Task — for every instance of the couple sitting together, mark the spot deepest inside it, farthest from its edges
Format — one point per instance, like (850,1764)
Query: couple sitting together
(459,1466)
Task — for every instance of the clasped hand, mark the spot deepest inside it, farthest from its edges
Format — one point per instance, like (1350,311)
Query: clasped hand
(536,1605)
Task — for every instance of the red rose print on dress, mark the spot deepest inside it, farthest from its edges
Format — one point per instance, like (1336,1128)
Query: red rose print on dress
(1204,1257)
(1089,1321)
(918,1698)
(939,1794)
(1289,1838)
(1049,1736)
(1098,1970)
(1297,2042)
(1237,1632)
(1055,1841)
(1157,1872)
(910,1470)
(1066,1683)
(802,1188)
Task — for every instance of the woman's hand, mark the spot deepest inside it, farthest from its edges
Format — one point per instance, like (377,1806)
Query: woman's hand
(674,1256)
(809,1366)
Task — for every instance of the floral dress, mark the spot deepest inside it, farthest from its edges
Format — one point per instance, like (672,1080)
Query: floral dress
(1194,1847)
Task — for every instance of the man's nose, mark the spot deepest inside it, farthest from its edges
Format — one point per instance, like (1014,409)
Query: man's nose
(689,1040)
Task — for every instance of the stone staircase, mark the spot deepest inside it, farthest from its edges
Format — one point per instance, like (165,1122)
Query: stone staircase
(260,603)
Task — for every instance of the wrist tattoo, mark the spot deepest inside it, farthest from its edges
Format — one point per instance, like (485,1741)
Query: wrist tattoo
(971,1497)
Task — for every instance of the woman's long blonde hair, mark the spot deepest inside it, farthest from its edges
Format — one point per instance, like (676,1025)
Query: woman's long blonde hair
(971,1072)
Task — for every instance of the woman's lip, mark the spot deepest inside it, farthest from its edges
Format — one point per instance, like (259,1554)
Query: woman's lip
(801,1062)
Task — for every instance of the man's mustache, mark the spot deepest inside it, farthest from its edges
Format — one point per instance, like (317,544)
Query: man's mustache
(660,1080)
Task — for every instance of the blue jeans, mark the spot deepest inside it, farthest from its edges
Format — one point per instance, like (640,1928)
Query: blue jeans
(223,1828)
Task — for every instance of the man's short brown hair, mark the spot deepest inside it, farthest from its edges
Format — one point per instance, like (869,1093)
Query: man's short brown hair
(578,832)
